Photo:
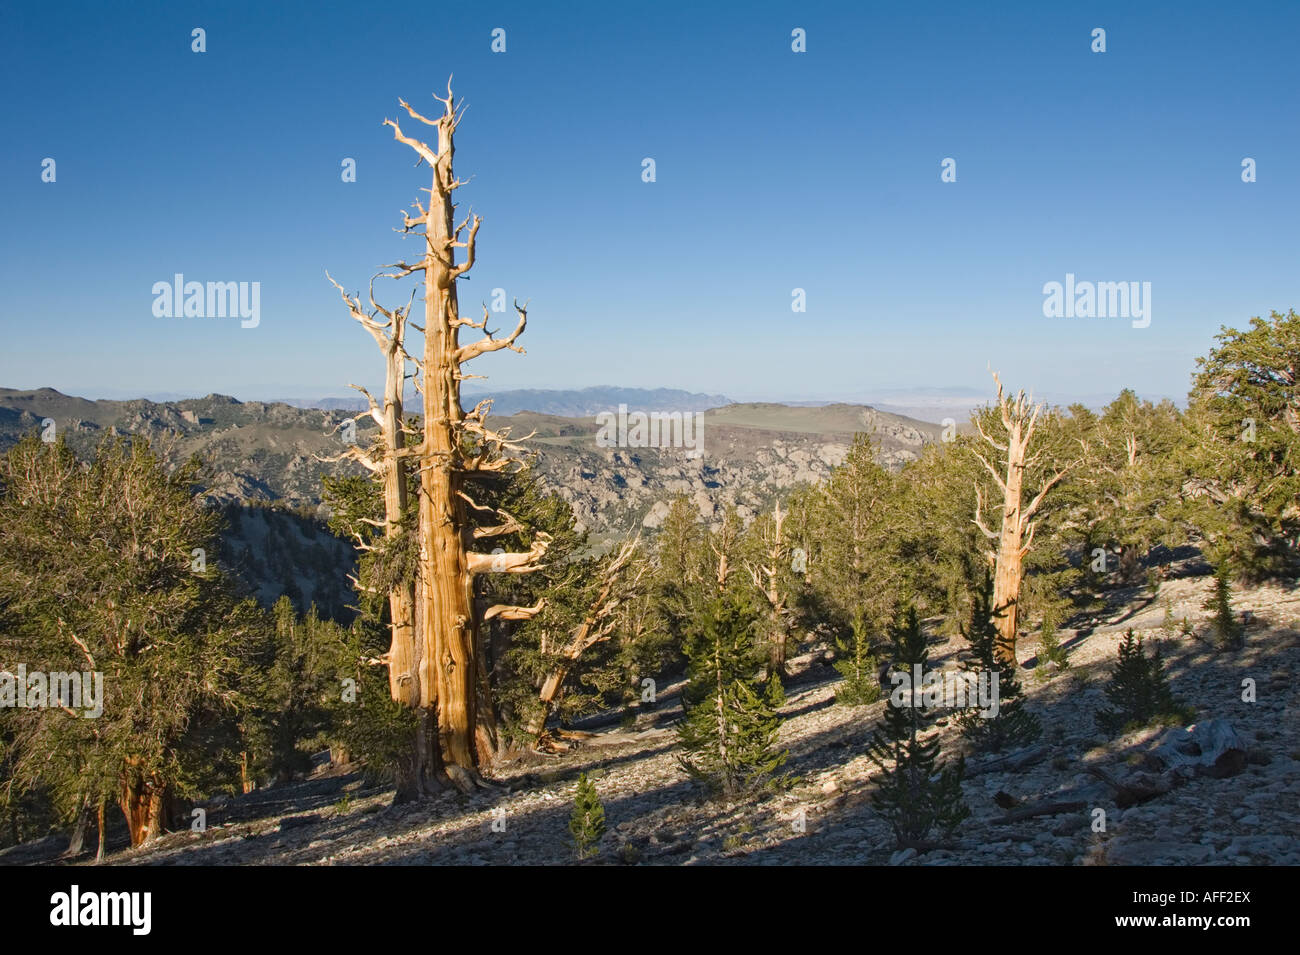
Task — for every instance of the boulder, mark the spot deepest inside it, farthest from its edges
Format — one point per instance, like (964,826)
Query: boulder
(1211,748)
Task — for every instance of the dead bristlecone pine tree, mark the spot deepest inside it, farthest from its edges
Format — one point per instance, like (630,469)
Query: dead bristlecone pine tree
(1019,418)
(434,660)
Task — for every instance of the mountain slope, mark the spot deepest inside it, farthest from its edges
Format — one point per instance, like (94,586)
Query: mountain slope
(274,452)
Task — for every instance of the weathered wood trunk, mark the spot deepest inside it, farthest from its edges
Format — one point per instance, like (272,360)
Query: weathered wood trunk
(448,625)
(768,580)
(135,806)
(434,660)
(416,773)
(144,803)
(77,840)
(246,783)
(549,694)
(1016,536)
(403,653)
(596,627)
(160,807)
(776,637)
(1008,569)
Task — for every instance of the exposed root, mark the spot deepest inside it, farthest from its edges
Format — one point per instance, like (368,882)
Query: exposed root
(467,780)
(461,778)
(549,745)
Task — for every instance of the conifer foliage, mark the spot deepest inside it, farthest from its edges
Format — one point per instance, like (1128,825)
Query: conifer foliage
(1050,649)
(1139,692)
(857,667)
(1012,725)
(104,572)
(729,733)
(587,823)
(916,797)
(1228,633)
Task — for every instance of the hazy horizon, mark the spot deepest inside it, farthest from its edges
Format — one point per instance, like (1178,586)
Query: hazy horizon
(932,399)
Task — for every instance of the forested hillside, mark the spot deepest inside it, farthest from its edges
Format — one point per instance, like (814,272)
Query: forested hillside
(249,633)
(1178,527)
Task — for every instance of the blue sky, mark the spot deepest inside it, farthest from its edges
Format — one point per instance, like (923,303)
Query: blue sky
(775,170)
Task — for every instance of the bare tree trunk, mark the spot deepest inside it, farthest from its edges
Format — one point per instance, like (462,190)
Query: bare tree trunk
(1016,535)
(136,802)
(766,578)
(1009,567)
(339,755)
(722,543)
(135,807)
(160,810)
(454,445)
(145,802)
(78,839)
(245,782)
(596,627)
(415,774)
(99,820)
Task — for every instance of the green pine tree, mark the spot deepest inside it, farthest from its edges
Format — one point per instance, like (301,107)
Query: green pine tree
(1244,446)
(1013,725)
(729,733)
(1050,649)
(109,567)
(1228,633)
(916,796)
(587,824)
(857,666)
(1139,692)
(774,693)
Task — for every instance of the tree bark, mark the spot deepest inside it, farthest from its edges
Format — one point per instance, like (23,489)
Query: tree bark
(1009,568)
(99,820)
(1019,419)
(78,839)
(766,578)
(436,661)
(143,802)
(416,773)
(454,445)
(416,770)
(596,626)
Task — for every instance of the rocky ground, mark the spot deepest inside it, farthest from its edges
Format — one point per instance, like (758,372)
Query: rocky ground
(656,816)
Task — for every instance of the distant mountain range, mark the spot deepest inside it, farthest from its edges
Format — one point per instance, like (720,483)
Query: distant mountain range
(931,404)
(568,403)
(274,452)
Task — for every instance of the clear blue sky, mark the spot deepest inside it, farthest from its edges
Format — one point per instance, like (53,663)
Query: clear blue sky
(775,170)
